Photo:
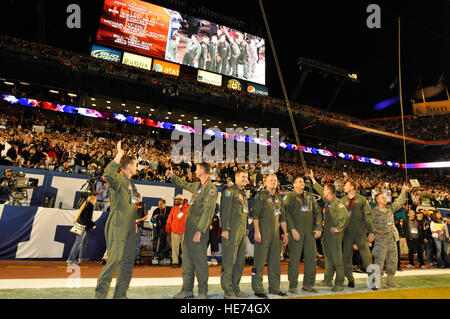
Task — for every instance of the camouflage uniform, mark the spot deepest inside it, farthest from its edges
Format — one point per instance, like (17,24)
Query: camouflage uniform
(385,248)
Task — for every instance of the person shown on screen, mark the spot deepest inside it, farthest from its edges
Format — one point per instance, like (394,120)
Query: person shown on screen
(212,55)
(173,48)
(223,49)
(203,52)
(193,50)
(252,58)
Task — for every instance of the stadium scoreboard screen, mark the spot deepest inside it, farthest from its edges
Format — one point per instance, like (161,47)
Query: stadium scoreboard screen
(147,29)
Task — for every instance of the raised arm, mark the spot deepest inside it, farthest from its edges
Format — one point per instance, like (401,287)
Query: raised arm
(112,175)
(398,203)
(191,187)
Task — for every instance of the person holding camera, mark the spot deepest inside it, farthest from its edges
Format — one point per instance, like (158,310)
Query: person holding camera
(85,218)
(142,214)
(6,184)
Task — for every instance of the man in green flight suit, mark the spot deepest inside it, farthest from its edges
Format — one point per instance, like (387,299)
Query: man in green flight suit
(304,223)
(120,228)
(336,221)
(196,235)
(223,49)
(193,49)
(234,214)
(267,217)
(359,230)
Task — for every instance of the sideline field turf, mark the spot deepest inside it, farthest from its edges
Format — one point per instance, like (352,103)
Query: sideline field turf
(424,286)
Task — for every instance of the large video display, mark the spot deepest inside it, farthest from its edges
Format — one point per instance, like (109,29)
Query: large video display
(149,29)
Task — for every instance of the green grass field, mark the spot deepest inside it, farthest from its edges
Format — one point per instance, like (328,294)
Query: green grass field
(215,291)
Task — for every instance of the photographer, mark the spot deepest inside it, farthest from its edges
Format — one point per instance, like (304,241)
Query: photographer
(6,184)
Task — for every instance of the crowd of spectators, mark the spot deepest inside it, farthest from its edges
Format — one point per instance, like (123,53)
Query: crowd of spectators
(425,128)
(428,128)
(88,149)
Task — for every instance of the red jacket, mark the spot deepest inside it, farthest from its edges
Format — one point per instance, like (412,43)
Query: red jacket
(174,223)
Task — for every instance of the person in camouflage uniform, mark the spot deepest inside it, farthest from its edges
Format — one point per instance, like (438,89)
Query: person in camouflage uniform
(386,234)
(120,228)
(196,235)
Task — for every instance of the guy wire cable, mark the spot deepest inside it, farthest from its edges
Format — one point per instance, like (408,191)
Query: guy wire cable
(401,99)
(294,127)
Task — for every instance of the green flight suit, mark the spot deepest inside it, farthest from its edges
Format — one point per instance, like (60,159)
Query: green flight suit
(233,214)
(267,210)
(235,53)
(360,224)
(212,52)
(203,55)
(244,58)
(304,215)
(200,214)
(336,215)
(192,52)
(223,49)
(120,233)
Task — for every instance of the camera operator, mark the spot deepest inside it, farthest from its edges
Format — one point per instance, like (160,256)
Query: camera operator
(6,184)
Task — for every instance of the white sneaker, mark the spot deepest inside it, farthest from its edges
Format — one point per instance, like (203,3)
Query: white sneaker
(214,262)
(210,263)
(423,267)
(410,266)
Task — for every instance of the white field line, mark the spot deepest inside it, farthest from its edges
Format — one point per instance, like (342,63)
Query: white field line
(168,281)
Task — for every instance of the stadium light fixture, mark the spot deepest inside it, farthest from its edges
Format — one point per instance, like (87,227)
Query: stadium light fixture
(324,68)
(8,83)
(24,83)
(153,110)
(108,102)
(72,94)
(94,104)
(123,104)
(170,113)
(92,98)
(138,107)
(54,91)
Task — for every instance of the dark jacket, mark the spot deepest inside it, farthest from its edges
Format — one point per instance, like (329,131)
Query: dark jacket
(402,229)
(85,217)
(419,226)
